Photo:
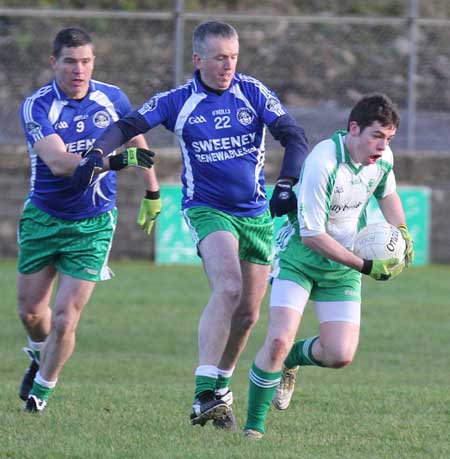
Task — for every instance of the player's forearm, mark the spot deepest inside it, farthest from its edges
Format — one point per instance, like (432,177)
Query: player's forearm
(392,209)
(121,132)
(328,247)
(150,179)
(52,151)
(64,165)
(293,138)
(67,163)
(111,139)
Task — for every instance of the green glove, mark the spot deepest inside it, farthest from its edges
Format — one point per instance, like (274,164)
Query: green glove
(149,210)
(409,251)
(133,156)
(383,270)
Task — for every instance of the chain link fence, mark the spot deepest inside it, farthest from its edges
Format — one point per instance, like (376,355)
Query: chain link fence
(319,65)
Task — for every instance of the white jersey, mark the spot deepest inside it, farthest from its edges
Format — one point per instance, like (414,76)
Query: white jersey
(333,191)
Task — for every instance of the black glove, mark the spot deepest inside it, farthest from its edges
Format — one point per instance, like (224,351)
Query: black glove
(283,199)
(132,156)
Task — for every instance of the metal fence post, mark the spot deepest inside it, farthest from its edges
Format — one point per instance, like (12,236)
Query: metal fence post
(412,74)
(179,41)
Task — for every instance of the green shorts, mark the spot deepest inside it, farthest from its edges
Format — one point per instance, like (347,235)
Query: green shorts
(325,279)
(79,248)
(255,234)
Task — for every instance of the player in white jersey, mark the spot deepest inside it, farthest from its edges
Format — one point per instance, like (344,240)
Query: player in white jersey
(220,118)
(314,258)
(67,224)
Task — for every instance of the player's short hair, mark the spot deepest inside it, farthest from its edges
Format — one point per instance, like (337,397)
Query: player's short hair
(205,29)
(72,37)
(374,107)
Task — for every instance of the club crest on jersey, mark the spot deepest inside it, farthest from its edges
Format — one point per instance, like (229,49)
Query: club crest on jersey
(273,105)
(370,184)
(245,116)
(149,106)
(102,119)
(33,128)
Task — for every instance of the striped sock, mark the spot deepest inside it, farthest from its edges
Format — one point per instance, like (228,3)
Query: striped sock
(261,389)
(301,354)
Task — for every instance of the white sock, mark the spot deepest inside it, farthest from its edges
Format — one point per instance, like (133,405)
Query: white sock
(43,382)
(35,345)
(206,370)
(225,373)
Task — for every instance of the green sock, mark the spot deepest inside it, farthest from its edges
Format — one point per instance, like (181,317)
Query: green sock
(36,347)
(222,382)
(40,391)
(261,389)
(301,353)
(203,383)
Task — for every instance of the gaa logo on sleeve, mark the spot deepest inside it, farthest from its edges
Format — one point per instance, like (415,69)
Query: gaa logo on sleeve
(245,116)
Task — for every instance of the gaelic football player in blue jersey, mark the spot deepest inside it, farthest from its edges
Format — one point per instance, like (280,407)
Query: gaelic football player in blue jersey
(220,119)
(68,221)
(314,258)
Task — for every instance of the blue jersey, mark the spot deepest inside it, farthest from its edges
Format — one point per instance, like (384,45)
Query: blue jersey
(222,141)
(49,111)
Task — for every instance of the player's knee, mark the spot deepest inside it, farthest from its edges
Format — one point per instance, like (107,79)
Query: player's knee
(278,349)
(339,358)
(30,314)
(340,363)
(246,318)
(230,290)
(29,317)
(64,323)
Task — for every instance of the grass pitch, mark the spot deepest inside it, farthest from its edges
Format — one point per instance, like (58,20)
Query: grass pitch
(127,390)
